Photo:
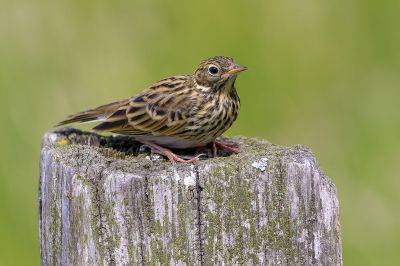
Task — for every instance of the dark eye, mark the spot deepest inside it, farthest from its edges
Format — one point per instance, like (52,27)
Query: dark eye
(213,70)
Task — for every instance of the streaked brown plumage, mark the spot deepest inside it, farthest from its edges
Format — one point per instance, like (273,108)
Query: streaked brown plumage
(176,112)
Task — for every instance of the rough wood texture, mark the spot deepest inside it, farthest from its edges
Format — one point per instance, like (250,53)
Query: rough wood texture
(102,203)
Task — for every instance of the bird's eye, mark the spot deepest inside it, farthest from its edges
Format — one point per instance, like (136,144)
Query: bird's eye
(213,70)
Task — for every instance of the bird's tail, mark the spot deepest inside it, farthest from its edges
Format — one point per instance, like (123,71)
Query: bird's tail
(92,115)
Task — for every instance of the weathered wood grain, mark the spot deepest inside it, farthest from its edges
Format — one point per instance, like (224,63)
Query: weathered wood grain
(102,203)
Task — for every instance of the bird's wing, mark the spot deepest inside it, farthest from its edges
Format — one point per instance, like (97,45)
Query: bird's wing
(161,110)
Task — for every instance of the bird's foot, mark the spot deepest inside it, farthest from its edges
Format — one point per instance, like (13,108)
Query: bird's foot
(169,154)
(225,146)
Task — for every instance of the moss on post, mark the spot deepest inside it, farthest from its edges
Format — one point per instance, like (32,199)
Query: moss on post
(101,202)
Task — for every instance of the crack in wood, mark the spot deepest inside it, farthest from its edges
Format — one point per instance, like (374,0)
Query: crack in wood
(199,189)
(141,235)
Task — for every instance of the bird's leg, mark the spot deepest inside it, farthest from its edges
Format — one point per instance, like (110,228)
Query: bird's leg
(214,148)
(168,153)
(225,146)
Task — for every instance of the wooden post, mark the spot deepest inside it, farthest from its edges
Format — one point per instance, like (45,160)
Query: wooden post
(101,203)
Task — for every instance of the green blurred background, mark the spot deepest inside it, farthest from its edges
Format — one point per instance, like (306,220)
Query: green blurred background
(321,73)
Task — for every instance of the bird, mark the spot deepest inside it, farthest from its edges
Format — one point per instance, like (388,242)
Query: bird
(178,112)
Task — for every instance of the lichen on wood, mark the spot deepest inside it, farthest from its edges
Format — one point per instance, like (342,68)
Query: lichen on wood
(103,201)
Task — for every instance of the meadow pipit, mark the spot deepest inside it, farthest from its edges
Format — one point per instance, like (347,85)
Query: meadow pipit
(177,112)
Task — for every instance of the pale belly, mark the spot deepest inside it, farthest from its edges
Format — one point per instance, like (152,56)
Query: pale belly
(170,142)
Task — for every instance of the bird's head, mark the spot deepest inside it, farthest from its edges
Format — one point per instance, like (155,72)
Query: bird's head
(217,72)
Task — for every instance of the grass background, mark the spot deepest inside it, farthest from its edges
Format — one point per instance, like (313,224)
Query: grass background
(321,73)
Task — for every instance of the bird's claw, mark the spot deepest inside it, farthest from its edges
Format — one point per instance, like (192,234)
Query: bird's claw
(225,146)
(170,155)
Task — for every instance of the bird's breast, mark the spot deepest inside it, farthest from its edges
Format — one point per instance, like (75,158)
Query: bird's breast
(216,115)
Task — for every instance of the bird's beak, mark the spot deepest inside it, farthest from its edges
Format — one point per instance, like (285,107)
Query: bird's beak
(234,70)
